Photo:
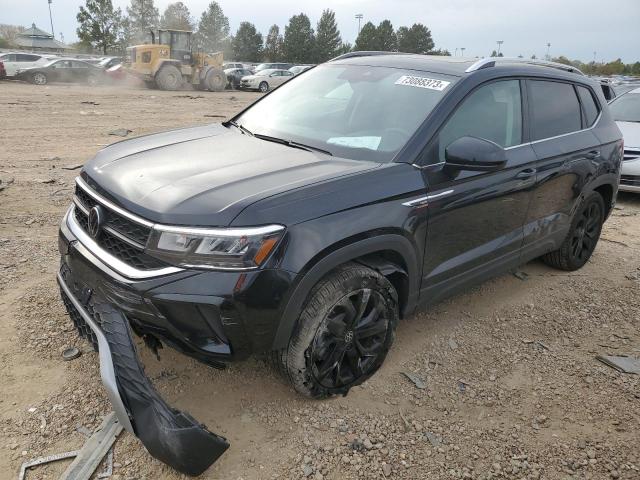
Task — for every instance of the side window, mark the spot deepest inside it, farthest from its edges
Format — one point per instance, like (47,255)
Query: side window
(555,109)
(493,112)
(589,105)
(79,65)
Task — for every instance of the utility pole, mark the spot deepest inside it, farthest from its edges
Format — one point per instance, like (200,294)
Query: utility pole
(499,42)
(51,20)
(548,48)
(455,54)
(462,49)
(359,17)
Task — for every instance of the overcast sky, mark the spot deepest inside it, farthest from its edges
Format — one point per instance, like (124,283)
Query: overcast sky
(575,28)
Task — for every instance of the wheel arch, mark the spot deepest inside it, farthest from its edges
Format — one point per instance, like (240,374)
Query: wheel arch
(607,187)
(392,255)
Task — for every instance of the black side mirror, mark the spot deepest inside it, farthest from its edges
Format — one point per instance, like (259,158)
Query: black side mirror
(477,154)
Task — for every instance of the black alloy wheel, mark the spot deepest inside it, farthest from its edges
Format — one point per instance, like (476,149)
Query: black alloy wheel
(350,339)
(586,233)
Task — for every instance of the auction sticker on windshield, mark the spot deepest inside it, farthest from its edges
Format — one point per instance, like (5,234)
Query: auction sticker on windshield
(422,82)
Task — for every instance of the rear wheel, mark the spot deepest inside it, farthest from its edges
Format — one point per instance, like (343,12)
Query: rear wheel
(39,78)
(263,87)
(215,80)
(343,333)
(583,235)
(169,78)
(92,80)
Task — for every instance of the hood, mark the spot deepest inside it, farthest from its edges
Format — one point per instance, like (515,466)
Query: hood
(205,175)
(631,134)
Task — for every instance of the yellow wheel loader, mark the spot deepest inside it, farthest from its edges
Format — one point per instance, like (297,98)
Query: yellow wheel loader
(170,62)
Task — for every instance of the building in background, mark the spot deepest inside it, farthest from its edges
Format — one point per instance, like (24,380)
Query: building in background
(35,39)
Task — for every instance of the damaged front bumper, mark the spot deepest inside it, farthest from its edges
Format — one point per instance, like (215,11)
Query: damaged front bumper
(172,436)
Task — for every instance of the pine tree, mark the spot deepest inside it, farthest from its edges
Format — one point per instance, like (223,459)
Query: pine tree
(100,25)
(328,39)
(416,39)
(299,40)
(273,45)
(247,43)
(213,30)
(367,38)
(143,16)
(177,17)
(386,37)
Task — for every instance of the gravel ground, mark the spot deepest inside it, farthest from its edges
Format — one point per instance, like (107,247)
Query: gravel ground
(513,389)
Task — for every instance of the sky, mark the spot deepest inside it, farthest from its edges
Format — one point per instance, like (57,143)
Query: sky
(578,29)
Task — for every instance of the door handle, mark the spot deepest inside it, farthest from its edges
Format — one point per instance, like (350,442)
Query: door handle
(527,173)
(593,154)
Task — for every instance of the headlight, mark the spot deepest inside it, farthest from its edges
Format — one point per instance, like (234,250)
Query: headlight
(227,249)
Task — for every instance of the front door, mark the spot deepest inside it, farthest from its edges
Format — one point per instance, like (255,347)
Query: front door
(476,218)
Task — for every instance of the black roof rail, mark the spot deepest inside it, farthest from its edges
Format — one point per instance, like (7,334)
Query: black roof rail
(364,53)
(492,61)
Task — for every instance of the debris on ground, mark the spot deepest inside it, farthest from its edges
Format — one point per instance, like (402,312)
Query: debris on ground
(211,115)
(120,132)
(43,460)
(621,363)
(73,167)
(94,450)
(418,382)
(521,275)
(88,102)
(71,353)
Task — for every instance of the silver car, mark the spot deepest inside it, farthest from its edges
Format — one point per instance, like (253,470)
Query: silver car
(626,112)
(265,80)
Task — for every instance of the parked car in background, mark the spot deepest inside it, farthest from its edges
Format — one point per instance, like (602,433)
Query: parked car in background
(15,62)
(109,62)
(626,112)
(273,66)
(63,70)
(299,69)
(229,65)
(265,80)
(235,75)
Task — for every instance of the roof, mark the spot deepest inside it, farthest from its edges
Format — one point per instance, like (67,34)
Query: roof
(35,38)
(447,65)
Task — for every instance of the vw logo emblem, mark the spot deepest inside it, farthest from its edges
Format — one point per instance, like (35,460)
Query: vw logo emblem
(96,218)
(348,337)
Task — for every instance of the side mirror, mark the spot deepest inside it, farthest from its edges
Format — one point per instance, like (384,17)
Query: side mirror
(476,154)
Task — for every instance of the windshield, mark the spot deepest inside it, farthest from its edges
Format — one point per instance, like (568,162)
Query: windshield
(626,108)
(357,112)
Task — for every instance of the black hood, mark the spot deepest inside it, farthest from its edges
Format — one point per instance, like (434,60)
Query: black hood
(205,175)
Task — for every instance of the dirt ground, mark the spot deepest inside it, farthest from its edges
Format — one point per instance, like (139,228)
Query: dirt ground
(513,389)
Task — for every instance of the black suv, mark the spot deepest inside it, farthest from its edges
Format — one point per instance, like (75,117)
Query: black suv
(306,225)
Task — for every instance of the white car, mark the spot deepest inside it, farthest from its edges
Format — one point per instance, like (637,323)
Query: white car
(626,112)
(264,80)
(15,62)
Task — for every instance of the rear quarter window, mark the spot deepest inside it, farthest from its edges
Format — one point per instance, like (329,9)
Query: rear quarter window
(554,107)
(589,105)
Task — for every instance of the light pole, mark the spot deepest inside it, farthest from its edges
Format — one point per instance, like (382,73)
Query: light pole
(499,42)
(51,20)
(359,17)
(455,54)
(462,49)
(548,47)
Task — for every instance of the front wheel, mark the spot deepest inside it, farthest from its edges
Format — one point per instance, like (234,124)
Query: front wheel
(263,87)
(39,78)
(215,80)
(92,80)
(583,235)
(169,78)
(343,334)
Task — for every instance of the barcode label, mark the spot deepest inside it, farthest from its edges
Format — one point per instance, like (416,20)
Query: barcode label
(422,82)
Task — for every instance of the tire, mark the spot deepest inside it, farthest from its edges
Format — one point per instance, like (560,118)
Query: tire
(169,78)
(92,80)
(263,87)
(38,78)
(327,355)
(215,80)
(583,235)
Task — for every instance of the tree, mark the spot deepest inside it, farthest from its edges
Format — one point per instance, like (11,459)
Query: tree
(273,45)
(367,38)
(386,37)
(247,44)
(416,39)
(177,17)
(328,41)
(99,24)
(10,32)
(345,48)
(213,31)
(299,40)
(143,16)
(440,52)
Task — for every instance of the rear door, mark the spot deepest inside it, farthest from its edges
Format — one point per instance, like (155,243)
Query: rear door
(568,154)
(476,218)
(10,64)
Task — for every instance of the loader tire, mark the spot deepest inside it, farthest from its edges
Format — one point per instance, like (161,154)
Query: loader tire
(169,78)
(215,80)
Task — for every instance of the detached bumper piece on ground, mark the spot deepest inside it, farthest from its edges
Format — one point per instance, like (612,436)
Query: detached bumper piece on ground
(172,436)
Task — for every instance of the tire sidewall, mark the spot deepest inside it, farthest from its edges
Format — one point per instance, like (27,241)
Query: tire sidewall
(33,78)
(316,309)
(263,87)
(572,262)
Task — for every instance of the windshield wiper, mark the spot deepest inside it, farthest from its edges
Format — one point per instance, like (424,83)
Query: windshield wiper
(291,143)
(240,127)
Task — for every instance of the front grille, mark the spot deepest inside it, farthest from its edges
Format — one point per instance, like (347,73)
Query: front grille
(84,330)
(630,180)
(119,248)
(631,155)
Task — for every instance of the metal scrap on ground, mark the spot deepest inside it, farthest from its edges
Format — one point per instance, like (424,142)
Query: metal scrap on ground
(419,383)
(621,363)
(43,460)
(120,132)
